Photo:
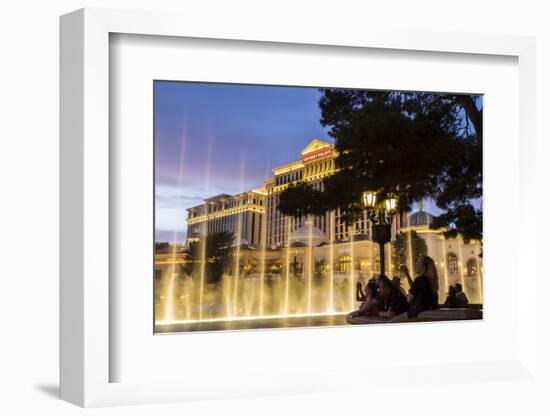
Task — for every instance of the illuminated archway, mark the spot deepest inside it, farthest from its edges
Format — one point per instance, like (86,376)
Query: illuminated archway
(452,263)
(471,268)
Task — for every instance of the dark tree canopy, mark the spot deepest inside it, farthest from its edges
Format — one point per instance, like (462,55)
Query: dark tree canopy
(416,145)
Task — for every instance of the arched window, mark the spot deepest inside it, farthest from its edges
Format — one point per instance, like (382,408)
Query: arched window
(471,267)
(452,263)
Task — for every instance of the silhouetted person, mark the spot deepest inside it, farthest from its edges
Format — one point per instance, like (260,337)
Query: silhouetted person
(423,290)
(451,301)
(396,281)
(461,298)
(369,307)
(391,302)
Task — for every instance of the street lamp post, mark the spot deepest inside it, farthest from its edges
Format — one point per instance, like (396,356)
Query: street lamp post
(381,214)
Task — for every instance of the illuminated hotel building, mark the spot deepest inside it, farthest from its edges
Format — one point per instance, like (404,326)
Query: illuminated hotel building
(242,214)
(255,213)
(317,161)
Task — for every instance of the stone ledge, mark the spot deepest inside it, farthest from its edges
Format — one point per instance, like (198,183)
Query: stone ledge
(442,314)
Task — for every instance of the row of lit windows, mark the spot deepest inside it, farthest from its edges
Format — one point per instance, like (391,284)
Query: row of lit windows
(215,207)
(310,170)
(226,223)
(319,167)
(289,177)
(236,203)
(250,224)
(278,233)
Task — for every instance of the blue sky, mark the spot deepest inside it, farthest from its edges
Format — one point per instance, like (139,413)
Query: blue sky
(224,138)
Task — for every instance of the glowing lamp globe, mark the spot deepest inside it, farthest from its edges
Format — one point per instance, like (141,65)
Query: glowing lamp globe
(369,199)
(391,203)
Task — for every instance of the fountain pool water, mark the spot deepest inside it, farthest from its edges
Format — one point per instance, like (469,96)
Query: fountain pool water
(236,298)
(306,284)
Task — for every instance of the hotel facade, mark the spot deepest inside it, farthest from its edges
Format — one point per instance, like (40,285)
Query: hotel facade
(254,217)
(242,214)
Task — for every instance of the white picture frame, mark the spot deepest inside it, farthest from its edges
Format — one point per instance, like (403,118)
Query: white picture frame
(86,356)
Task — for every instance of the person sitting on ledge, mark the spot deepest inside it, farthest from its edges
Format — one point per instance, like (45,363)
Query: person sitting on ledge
(451,301)
(369,307)
(461,298)
(423,290)
(361,295)
(396,281)
(391,302)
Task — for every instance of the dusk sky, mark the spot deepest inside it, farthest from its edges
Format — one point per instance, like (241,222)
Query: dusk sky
(225,138)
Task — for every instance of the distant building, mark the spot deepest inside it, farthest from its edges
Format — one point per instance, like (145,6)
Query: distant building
(242,214)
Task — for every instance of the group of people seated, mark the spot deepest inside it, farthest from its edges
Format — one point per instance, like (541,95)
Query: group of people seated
(382,297)
(456,298)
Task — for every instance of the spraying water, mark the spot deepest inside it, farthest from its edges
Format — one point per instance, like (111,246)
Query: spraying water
(351,270)
(309,263)
(331,265)
(410,254)
(287,269)
(169,293)
(203,235)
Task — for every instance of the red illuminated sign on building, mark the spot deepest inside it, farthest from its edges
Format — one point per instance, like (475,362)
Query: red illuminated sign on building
(308,157)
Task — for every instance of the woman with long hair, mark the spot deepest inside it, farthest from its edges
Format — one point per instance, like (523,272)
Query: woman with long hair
(431,272)
(423,292)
